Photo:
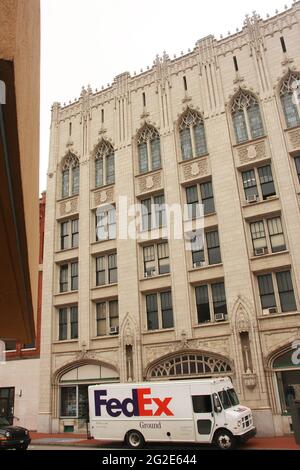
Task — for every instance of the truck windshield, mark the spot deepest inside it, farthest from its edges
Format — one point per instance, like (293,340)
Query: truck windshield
(228,398)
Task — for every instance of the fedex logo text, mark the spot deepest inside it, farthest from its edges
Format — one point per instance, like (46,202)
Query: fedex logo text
(140,404)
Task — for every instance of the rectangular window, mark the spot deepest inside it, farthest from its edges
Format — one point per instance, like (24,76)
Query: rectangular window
(106,227)
(200,140)
(152,312)
(202,301)
(112,226)
(74,276)
(283,45)
(74,322)
(63,278)
(297,163)
(290,109)
(75,233)
(192,202)
(65,184)
(202,404)
(101,319)
(100,271)
(249,183)
(240,126)
(155,154)
(197,247)
(68,402)
(166,309)
(186,144)
(286,292)
(113,314)
(63,324)
(255,121)
(112,269)
(64,235)
(146,214)
(213,247)
(266,182)
(219,298)
(163,258)
(75,180)
(266,291)
(160,211)
(276,235)
(149,260)
(99,174)
(207,197)
(258,235)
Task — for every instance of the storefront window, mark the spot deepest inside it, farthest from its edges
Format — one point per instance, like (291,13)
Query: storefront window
(288,381)
(68,404)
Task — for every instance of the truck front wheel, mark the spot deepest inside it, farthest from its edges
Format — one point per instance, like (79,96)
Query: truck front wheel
(225,440)
(134,439)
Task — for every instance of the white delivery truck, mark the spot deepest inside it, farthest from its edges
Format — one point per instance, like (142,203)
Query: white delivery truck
(203,411)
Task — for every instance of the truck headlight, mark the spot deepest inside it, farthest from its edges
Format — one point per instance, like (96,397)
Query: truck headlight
(7,434)
(239,423)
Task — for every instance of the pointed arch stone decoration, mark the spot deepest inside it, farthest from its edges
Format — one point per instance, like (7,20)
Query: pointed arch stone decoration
(290,85)
(70,160)
(189,363)
(243,98)
(287,83)
(103,149)
(147,133)
(129,349)
(189,118)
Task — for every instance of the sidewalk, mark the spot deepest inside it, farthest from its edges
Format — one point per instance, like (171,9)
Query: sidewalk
(258,443)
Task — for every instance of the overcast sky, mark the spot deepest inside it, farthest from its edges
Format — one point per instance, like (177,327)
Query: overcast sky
(92,41)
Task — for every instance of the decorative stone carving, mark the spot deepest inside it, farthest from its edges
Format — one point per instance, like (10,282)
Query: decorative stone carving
(151,182)
(242,321)
(295,139)
(68,207)
(250,380)
(252,152)
(105,196)
(196,169)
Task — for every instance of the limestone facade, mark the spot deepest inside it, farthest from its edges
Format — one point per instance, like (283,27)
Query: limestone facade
(256,63)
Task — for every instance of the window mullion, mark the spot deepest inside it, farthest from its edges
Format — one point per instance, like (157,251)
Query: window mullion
(211,304)
(159,311)
(104,163)
(268,238)
(77,400)
(276,293)
(193,142)
(206,258)
(149,155)
(258,184)
(107,317)
(156,258)
(247,123)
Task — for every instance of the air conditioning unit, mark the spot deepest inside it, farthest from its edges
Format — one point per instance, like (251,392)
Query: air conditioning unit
(271,197)
(270,311)
(114,330)
(220,317)
(252,199)
(261,251)
(199,264)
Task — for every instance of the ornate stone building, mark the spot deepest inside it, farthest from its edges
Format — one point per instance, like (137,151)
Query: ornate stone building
(218,126)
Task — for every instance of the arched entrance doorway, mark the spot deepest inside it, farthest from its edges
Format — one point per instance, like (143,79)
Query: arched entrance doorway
(71,391)
(286,368)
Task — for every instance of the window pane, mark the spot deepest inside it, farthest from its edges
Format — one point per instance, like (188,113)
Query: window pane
(286,292)
(146,214)
(186,144)
(200,141)
(75,180)
(255,121)
(249,183)
(63,324)
(74,276)
(75,233)
(240,126)
(202,302)
(100,271)
(110,169)
(143,157)
(112,226)
(160,211)
(68,401)
(64,236)
(101,319)
(213,247)
(192,202)
(112,268)
(155,154)
(219,298)
(163,258)
(291,111)
(166,309)
(266,181)
(258,235)
(276,235)
(297,163)
(113,313)
(152,312)
(74,322)
(63,281)
(266,290)
(99,172)
(65,184)
(207,197)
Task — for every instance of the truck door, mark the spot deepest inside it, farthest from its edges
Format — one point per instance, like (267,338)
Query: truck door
(204,420)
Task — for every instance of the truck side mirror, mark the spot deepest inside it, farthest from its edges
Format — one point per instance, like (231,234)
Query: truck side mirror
(217,404)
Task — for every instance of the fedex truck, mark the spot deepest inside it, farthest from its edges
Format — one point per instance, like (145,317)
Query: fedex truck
(191,411)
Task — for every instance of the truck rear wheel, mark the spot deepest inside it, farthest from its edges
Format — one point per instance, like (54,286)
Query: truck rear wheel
(225,440)
(134,439)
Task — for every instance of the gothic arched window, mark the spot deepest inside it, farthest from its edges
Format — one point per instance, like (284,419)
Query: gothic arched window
(246,117)
(148,149)
(290,99)
(104,164)
(192,135)
(70,175)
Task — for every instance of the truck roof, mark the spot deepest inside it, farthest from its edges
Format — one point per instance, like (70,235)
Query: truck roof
(169,383)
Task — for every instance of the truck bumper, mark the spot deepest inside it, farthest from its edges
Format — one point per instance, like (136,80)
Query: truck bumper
(248,435)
